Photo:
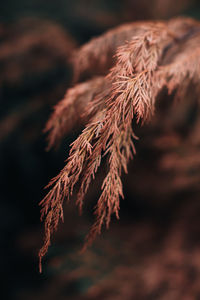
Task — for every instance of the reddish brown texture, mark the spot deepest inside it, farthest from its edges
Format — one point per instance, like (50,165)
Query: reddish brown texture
(73,109)
(152,56)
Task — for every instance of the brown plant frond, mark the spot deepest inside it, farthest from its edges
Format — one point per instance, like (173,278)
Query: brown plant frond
(121,150)
(183,69)
(133,75)
(64,182)
(132,78)
(132,87)
(73,109)
(96,56)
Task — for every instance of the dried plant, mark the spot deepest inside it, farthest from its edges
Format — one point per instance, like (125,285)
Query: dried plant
(69,112)
(148,57)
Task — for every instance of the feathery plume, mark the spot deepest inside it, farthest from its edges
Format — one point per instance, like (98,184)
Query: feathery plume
(156,55)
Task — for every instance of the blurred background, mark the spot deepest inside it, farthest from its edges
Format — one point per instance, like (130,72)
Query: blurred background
(153,252)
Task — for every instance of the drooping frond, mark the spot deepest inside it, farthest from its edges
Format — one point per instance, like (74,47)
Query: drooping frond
(185,68)
(96,56)
(73,109)
(143,66)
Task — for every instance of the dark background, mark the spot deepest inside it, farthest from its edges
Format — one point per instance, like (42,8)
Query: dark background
(32,80)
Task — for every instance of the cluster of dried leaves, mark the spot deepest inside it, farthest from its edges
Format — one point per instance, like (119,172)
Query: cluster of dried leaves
(145,58)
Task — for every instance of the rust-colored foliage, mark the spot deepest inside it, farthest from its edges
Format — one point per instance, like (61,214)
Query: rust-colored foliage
(148,57)
(68,113)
